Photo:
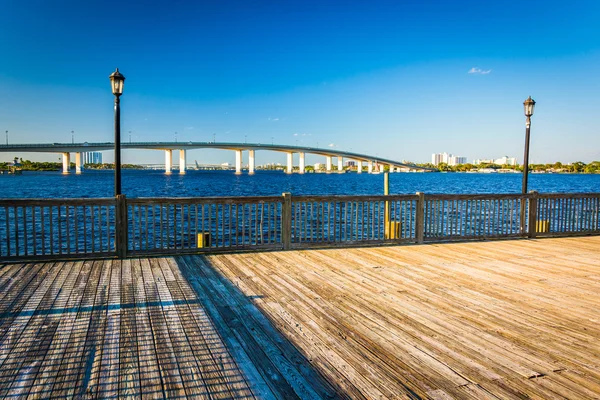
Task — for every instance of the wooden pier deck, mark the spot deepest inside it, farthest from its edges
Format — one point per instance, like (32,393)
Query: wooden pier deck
(485,320)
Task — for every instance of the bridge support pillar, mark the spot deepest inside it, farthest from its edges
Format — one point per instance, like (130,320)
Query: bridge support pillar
(302,165)
(340,164)
(78,163)
(290,163)
(251,162)
(391,168)
(66,159)
(168,161)
(238,162)
(370,167)
(359,167)
(329,160)
(182,161)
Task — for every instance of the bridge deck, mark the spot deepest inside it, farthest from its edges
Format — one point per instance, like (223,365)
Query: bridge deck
(507,319)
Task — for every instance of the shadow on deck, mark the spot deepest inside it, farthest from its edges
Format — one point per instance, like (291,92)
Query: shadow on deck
(510,319)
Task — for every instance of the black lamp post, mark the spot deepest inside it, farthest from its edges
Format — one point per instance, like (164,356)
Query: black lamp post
(529,105)
(116,81)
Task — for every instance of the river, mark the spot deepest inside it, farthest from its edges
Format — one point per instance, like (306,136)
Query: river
(146,183)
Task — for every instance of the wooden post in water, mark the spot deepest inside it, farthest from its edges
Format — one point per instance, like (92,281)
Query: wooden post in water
(286,221)
(420,218)
(121,226)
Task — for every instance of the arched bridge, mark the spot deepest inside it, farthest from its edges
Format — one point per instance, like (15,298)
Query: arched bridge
(78,148)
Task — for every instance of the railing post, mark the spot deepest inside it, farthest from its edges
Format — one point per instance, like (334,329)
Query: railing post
(533,201)
(420,216)
(121,226)
(286,221)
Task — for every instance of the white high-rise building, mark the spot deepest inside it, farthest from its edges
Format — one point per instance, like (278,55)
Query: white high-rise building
(438,158)
(457,160)
(447,158)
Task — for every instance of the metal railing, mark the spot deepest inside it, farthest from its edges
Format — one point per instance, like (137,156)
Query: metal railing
(202,224)
(352,220)
(460,217)
(120,227)
(56,227)
(564,215)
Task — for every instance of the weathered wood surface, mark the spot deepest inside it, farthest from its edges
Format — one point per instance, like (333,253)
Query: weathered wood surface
(493,320)
(140,328)
(510,319)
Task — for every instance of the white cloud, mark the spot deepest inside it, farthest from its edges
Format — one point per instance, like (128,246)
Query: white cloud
(189,128)
(331,145)
(479,71)
(273,119)
(295,134)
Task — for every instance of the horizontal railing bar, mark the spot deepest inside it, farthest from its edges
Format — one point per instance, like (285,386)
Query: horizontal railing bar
(205,200)
(499,196)
(355,198)
(104,201)
(567,195)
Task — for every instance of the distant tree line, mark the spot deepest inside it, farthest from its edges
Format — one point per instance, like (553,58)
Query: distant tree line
(557,167)
(27,165)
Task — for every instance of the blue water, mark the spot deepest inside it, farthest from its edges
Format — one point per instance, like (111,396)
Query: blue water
(138,183)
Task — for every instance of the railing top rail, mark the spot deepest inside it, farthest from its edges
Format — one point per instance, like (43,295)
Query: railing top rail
(205,200)
(379,197)
(498,196)
(568,195)
(101,201)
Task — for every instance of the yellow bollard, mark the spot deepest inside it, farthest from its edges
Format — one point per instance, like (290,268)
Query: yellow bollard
(203,240)
(542,226)
(393,230)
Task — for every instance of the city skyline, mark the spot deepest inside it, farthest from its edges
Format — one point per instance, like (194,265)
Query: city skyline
(394,79)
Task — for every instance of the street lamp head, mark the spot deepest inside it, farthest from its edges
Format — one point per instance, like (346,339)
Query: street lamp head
(116,81)
(529,105)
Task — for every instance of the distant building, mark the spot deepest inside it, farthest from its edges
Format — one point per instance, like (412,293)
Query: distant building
(506,161)
(457,160)
(350,163)
(447,158)
(483,161)
(92,157)
(499,161)
(438,158)
(318,166)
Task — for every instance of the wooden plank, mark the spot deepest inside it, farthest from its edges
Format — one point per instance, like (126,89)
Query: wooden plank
(49,369)
(151,384)
(72,365)
(169,368)
(22,309)
(38,337)
(258,377)
(20,352)
(108,375)
(193,382)
(129,366)
(213,357)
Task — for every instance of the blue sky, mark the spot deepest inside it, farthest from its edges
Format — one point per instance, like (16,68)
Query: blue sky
(389,78)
